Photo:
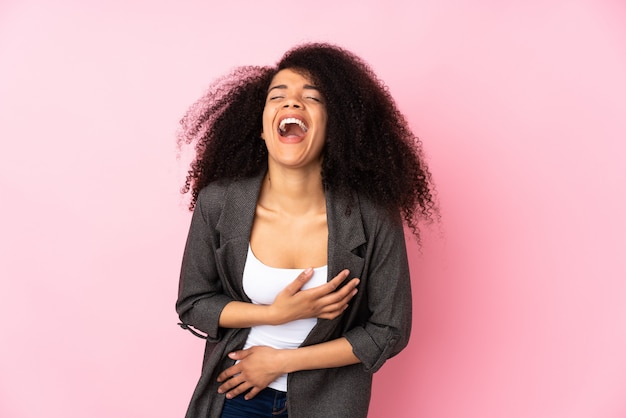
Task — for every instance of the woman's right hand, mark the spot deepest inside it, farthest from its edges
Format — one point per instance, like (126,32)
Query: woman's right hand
(323,301)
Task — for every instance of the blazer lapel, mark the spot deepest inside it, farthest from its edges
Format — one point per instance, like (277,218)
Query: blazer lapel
(234,226)
(345,235)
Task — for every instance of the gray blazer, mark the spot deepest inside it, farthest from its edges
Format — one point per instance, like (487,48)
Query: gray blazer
(366,240)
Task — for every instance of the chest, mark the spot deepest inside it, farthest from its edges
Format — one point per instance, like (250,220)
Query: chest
(290,242)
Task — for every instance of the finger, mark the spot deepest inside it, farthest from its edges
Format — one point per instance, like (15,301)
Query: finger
(253,392)
(329,287)
(229,373)
(243,387)
(230,384)
(240,354)
(338,279)
(342,295)
(348,289)
(342,303)
(293,287)
(333,314)
(333,310)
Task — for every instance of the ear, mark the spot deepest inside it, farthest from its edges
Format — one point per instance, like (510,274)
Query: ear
(262,136)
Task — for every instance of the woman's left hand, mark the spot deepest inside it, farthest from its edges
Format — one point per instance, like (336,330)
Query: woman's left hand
(258,367)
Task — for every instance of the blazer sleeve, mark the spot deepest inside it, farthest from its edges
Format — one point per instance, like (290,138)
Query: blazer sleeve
(200,292)
(389,304)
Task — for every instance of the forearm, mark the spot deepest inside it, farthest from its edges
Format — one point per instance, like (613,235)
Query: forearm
(293,303)
(334,353)
(244,315)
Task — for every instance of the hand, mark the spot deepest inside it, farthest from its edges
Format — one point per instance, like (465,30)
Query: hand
(258,367)
(323,301)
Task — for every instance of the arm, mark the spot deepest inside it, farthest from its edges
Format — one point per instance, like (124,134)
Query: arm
(291,304)
(201,296)
(387,285)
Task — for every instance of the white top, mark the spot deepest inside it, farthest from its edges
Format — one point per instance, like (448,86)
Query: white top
(262,283)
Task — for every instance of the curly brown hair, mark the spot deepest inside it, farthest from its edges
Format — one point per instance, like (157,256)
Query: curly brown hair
(369,147)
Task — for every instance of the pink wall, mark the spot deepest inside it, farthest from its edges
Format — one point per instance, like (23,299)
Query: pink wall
(519,312)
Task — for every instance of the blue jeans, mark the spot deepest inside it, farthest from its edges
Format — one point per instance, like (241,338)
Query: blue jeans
(269,403)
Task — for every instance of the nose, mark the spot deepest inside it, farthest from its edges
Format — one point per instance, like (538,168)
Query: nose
(293,102)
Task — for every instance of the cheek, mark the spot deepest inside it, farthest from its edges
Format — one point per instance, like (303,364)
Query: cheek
(324,123)
(324,119)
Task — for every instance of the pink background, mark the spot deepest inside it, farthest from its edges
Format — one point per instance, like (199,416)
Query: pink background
(520,309)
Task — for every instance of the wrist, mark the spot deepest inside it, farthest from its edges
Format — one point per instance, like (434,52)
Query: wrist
(286,360)
(272,316)
(276,316)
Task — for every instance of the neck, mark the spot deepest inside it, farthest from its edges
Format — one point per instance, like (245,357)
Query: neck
(293,192)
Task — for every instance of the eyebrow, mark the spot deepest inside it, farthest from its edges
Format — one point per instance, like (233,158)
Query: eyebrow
(284,86)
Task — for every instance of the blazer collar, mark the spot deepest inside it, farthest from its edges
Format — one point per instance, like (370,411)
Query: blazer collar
(345,230)
(239,208)
(240,205)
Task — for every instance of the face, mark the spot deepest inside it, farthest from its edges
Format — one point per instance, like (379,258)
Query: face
(294,121)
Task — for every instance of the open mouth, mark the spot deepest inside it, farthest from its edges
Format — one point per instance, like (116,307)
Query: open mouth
(292,128)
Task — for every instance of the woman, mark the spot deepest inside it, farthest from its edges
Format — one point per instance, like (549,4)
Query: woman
(295,266)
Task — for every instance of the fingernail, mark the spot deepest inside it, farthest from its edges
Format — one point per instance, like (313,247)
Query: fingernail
(308,270)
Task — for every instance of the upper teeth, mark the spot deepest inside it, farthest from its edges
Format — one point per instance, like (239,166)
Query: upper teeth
(286,121)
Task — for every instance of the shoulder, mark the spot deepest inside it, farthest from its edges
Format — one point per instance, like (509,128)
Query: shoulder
(213,191)
(354,220)
(383,229)
(376,217)
(213,196)
(235,195)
